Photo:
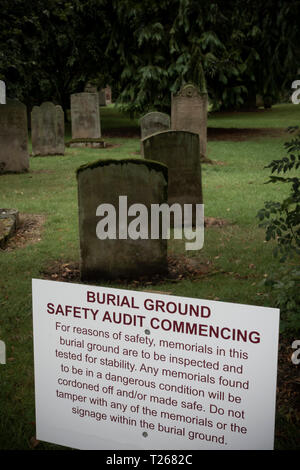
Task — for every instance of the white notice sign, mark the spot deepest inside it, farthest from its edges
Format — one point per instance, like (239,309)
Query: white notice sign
(120,369)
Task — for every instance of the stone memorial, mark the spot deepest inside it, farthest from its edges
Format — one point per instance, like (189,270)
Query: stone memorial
(47,130)
(14,156)
(154,122)
(2,92)
(189,113)
(108,94)
(85,118)
(102,98)
(89,88)
(179,151)
(108,248)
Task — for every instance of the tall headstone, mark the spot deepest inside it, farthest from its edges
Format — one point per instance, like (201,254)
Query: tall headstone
(154,122)
(85,116)
(189,113)
(104,182)
(14,156)
(47,129)
(179,150)
(2,92)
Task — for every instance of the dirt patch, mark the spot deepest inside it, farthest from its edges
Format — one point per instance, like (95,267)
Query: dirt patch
(29,231)
(240,135)
(215,222)
(179,267)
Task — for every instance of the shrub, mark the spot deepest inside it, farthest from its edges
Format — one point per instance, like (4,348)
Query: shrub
(281,221)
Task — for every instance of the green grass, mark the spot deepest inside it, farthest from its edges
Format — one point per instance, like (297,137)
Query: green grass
(237,254)
(280,115)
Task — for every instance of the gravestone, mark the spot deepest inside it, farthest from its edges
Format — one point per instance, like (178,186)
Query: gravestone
(179,150)
(102,98)
(108,94)
(154,122)
(85,117)
(89,88)
(104,182)
(47,130)
(189,113)
(14,157)
(2,92)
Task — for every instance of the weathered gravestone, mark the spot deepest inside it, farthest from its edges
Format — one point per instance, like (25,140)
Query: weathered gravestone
(2,92)
(108,94)
(89,88)
(189,113)
(14,157)
(85,117)
(116,253)
(154,122)
(47,130)
(179,150)
(102,98)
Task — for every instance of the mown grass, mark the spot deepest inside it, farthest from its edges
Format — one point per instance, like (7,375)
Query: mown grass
(279,116)
(237,254)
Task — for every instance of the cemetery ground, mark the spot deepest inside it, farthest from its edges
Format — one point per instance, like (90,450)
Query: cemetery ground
(231,267)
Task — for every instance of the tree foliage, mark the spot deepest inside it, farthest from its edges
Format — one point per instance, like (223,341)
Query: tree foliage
(147,49)
(49,49)
(281,220)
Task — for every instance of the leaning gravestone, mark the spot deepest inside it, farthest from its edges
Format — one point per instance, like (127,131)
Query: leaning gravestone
(85,117)
(116,253)
(2,92)
(14,157)
(179,150)
(47,130)
(189,113)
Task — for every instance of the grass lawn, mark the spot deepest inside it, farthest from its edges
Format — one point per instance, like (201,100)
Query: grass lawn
(236,255)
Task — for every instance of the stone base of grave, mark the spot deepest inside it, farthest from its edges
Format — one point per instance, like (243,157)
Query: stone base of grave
(9,221)
(86,143)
